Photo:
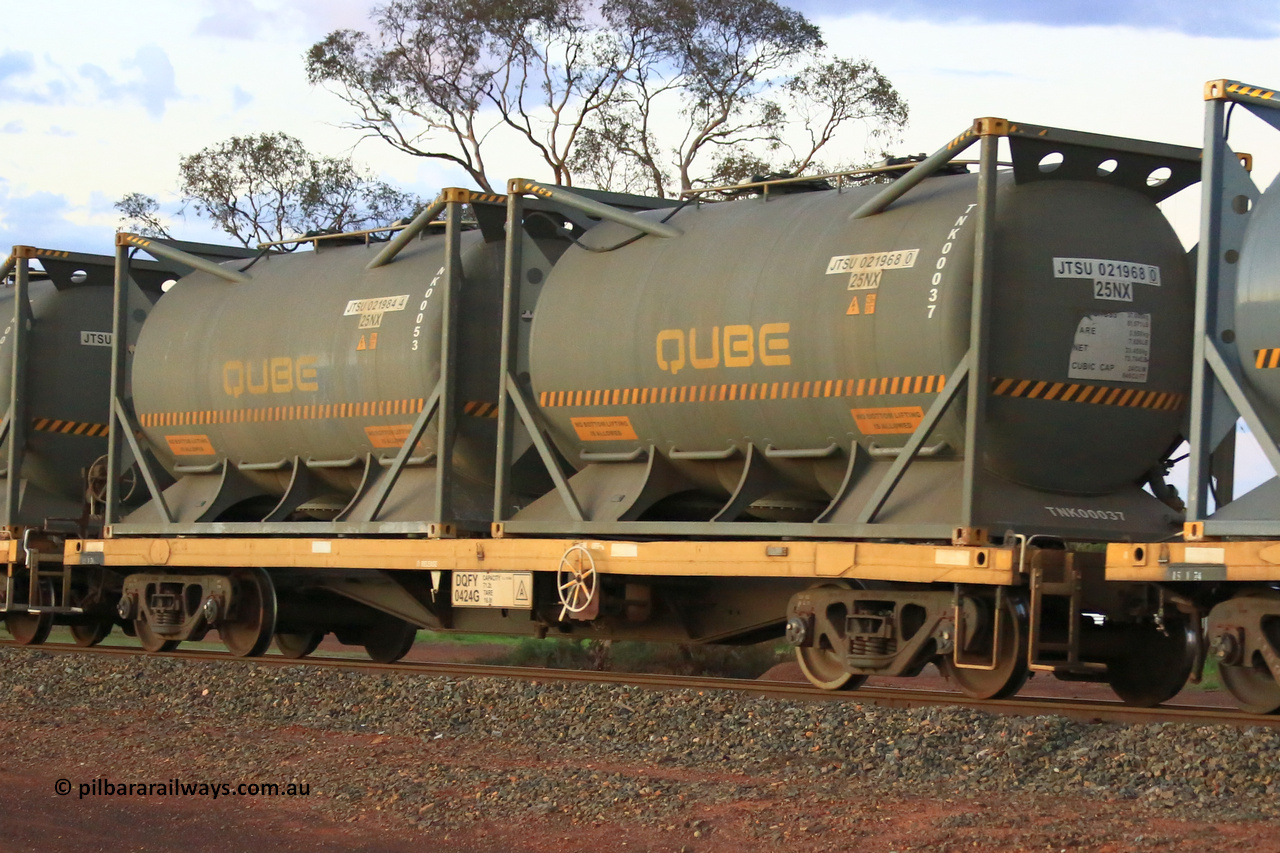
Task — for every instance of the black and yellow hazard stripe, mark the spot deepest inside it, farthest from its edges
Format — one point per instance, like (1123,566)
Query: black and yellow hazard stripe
(1250,91)
(743,391)
(480,410)
(461,195)
(69,427)
(519,185)
(315,411)
(1265,359)
(1101,395)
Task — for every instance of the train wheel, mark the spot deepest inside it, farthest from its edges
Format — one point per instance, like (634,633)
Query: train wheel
(249,633)
(91,633)
(824,669)
(1254,687)
(151,641)
(296,646)
(96,629)
(32,629)
(820,662)
(389,640)
(1010,671)
(1251,682)
(1154,666)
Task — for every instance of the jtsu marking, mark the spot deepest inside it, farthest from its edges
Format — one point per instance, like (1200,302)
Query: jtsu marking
(1112,271)
(95,339)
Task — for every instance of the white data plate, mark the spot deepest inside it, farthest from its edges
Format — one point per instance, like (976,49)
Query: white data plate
(1112,347)
(512,590)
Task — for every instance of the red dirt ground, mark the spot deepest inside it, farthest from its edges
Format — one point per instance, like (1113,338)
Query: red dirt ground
(34,818)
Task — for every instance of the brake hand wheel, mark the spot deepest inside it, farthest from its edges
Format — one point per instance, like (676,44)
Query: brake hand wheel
(576,581)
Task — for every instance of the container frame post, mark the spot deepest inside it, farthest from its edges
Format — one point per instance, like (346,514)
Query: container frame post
(17,415)
(512,260)
(120,426)
(119,307)
(1219,391)
(510,394)
(1205,314)
(978,389)
(446,415)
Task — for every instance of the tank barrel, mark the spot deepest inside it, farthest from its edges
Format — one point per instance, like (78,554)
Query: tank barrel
(422,220)
(160,250)
(595,208)
(922,170)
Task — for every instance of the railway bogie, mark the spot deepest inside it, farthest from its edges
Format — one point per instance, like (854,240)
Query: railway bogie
(890,423)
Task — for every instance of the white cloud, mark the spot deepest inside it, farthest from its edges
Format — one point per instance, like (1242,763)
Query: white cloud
(153,86)
(45,219)
(19,84)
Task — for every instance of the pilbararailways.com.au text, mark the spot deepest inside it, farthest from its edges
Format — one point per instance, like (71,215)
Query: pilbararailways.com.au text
(178,788)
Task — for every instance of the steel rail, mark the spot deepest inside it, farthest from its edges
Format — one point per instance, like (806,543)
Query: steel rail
(1082,710)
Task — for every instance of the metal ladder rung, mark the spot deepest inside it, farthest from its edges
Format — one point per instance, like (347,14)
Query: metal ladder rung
(1068,588)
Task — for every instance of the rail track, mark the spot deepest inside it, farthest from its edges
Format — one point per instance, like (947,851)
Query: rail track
(1083,710)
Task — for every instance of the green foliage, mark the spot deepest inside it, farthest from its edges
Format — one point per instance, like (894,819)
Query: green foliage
(593,89)
(269,187)
(140,214)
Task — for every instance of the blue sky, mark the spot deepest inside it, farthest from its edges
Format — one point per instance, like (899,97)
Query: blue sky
(89,117)
(108,104)
(1249,19)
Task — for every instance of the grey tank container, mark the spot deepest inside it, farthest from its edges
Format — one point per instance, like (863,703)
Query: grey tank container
(318,360)
(751,329)
(66,377)
(1257,308)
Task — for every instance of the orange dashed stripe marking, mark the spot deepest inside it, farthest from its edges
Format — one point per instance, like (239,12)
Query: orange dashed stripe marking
(319,412)
(1101,395)
(744,391)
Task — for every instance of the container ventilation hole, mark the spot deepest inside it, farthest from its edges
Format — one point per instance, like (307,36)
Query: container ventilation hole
(1106,167)
(167,286)
(1051,161)
(1241,204)
(1159,177)
(79,277)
